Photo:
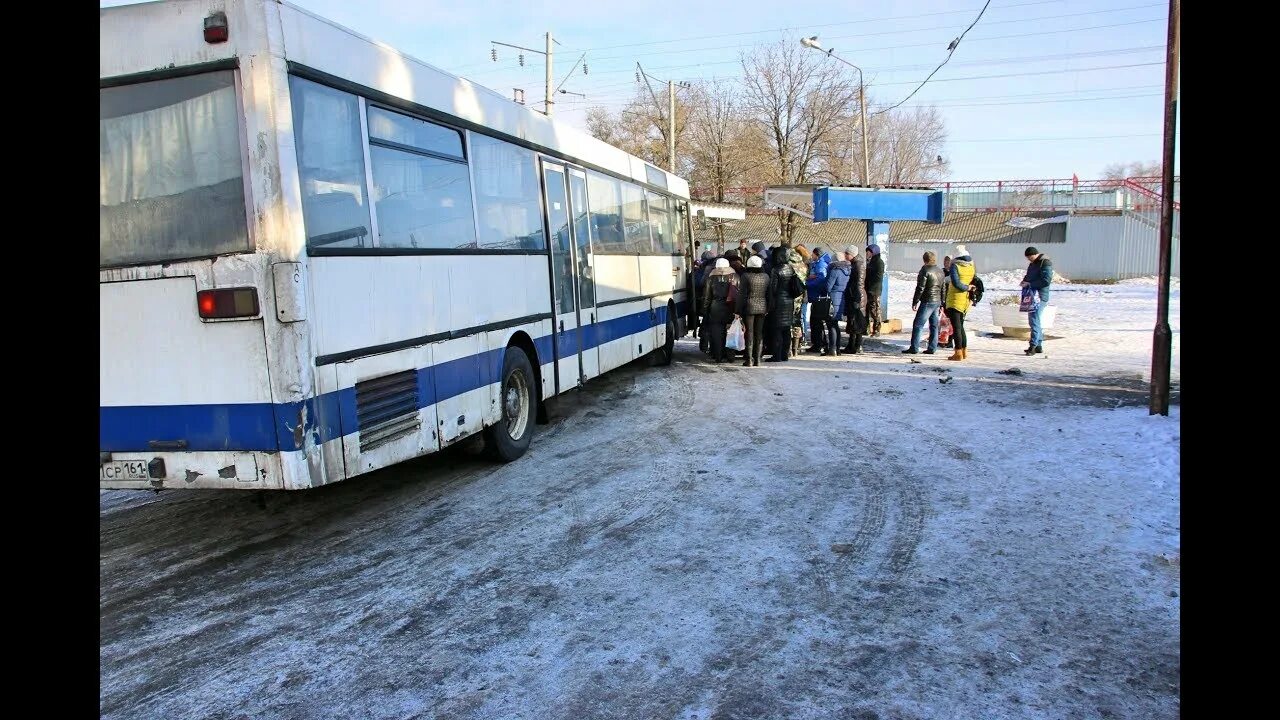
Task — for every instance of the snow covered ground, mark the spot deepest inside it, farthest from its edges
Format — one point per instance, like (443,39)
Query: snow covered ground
(852,537)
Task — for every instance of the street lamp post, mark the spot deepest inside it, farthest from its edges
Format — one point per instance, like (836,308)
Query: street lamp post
(812,42)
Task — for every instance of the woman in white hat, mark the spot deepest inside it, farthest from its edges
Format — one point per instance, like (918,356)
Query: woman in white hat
(719,297)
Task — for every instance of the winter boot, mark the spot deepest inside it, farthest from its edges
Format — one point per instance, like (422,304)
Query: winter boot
(911,351)
(1033,350)
(857,345)
(957,355)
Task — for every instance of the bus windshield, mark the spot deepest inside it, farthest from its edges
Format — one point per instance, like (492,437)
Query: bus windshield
(170,171)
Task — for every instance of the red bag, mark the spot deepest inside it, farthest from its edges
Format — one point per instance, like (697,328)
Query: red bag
(944,329)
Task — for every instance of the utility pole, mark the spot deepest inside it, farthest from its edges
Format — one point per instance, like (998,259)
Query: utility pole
(671,126)
(862,111)
(671,111)
(549,100)
(1162,340)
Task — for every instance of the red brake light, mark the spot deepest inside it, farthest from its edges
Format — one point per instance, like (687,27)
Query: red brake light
(215,28)
(231,303)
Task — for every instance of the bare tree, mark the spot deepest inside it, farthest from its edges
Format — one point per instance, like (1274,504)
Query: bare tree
(802,102)
(908,147)
(724,147)
(640,128)
(1120,171)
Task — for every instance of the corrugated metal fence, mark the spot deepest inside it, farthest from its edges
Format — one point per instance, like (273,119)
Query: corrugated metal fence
(1097,247)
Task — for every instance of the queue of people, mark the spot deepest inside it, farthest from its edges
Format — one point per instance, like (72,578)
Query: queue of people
(785,294)
(780,312)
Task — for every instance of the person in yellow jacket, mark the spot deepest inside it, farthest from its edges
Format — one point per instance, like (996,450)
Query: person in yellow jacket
(958,286)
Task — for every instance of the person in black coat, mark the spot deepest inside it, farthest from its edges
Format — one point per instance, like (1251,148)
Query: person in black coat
(875,287)
(720,284)
(855,304)
(784,287)
(753,305)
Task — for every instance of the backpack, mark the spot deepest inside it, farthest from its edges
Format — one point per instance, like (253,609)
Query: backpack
(975,295)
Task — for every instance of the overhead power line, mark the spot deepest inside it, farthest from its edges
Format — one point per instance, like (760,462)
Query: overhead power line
(799,27)
(951,49)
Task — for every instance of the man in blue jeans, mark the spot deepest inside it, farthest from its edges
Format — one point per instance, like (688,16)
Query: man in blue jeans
(925,302)
(1039,276)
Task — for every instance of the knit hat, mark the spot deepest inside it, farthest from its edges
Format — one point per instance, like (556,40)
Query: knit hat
(722,263)
(731,255)
(961,251)
(852,250)
(755,262)
(708,255)
(1030,251)
(758,246)
(873,249)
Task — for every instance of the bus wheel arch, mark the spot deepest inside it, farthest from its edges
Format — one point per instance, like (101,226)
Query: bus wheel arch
(663,356)
(518,398)
(520,339)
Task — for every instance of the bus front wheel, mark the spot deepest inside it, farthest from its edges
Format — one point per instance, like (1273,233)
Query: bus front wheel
(509,438)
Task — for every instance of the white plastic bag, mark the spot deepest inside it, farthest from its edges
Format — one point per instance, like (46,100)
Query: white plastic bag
(735,338)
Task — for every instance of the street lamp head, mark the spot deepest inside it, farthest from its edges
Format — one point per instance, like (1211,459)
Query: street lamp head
(811,42)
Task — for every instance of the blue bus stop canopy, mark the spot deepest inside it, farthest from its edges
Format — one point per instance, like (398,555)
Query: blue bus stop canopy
(877,204)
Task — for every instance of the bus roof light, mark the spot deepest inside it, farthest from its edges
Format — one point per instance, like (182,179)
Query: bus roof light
(215,28)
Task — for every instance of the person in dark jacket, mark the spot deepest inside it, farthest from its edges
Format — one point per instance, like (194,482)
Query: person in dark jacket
(875,286)
(735,262)
(925,302)
(816,285)
(716,307)
(753,305)
(784,287)
(855,306)
(700,270)
(946,273)
(1039,277)
(838,278)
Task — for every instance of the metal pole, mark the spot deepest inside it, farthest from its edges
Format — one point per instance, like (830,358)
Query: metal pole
(852,139)
(671,124)
(862,108)
(1162,340)
(549,99)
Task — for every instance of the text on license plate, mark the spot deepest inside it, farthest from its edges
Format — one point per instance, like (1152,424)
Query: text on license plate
(124,470)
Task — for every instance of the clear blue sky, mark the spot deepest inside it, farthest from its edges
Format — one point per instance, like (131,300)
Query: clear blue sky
(1019,96)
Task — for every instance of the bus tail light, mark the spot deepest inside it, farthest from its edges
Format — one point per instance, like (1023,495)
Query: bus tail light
(230,303)
(215,28)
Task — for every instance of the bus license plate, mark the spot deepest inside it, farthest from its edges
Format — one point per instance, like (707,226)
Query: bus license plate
(127,470)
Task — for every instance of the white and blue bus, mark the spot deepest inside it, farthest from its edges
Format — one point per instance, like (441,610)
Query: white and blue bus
(319,256)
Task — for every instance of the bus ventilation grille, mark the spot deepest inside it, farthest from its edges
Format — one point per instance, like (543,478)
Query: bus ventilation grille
(387,408)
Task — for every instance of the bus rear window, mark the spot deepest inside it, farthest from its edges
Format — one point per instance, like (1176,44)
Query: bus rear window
(171,178)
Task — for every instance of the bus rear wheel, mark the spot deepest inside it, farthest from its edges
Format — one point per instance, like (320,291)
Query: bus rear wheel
(509,438)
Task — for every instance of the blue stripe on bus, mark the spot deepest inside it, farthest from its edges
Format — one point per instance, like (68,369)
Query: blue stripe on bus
(267,427)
